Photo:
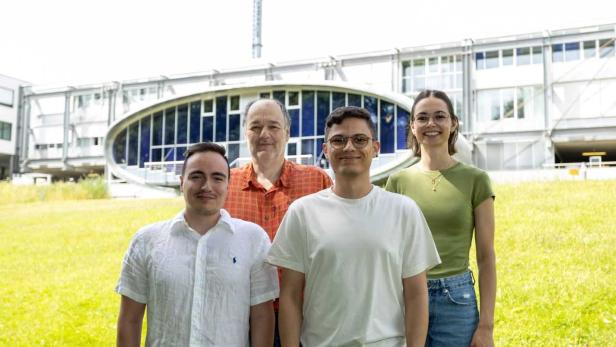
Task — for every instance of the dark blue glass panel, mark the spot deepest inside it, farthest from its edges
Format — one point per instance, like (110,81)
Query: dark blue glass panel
(180,151)
(157,129)
(133,143)
(387,127)
(221,118)
(144,154)
(233,152)
(557,52)
(195,117)
(182,128)
(308,148)
(279,95)
(294,115)
(156,154)
(338,100)
(370,104)
(207,129)
(322,111)
(169,126)
(119,148)
(169,154)
(321,160)
(291,148)
(572,51)
(307,113)
(234,127)
(354,100)
(401,127)
(479,64)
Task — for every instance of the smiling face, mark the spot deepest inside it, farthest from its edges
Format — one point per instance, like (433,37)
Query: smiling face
(266,131)
(204,183)
(432,124)
(350,161)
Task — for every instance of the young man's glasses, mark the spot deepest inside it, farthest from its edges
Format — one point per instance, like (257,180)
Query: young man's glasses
(438,118)
(359,141)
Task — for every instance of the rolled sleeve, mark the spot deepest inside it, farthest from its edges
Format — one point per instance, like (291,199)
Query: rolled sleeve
(133,278)
(263,277)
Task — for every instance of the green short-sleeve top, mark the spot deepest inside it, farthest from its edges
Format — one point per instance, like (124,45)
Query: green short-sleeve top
(447,199)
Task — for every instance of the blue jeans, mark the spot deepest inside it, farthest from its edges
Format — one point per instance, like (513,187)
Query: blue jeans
(453,311)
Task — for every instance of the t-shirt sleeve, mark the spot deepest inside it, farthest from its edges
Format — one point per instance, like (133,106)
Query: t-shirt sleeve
(263,276)
(419,251)
(482,188)
(289,244)
(133,282)
(390,186)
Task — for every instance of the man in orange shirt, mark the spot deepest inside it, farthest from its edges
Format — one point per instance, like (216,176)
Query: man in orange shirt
(262,190)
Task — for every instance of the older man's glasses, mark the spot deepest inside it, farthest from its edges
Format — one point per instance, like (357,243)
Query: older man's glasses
(359,141)
(438,118)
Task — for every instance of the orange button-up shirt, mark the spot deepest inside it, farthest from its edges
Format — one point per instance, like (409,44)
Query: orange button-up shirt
(247,199)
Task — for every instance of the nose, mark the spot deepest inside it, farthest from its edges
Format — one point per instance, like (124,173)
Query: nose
(205,186)
(348,145)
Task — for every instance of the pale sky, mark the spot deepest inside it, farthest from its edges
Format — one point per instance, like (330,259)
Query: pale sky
(71,42)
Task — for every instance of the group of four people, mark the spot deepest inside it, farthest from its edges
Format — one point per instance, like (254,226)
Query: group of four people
(359,265)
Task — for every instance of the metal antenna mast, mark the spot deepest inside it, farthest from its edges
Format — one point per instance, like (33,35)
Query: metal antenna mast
(256,29)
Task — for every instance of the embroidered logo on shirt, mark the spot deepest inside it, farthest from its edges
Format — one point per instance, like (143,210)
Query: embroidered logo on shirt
(234,260)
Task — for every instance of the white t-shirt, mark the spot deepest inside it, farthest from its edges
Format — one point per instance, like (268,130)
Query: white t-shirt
(354,254)
(198,289)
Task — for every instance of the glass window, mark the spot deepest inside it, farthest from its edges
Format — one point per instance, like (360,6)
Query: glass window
(182,127)
(6,97)
(491,59)
(480,61)
(458,63)
(338,100)
(119,147)
(169,154)
(419,67)
(370,104)
(293,98)
(522,56)
(322,110)
(520,103)
(234,103)
(221,119)
(207,129)
(265,95)
(144,153)
(447,64)
(572,51)
(402,122)
(208,106)
(433,64)
(606,48)
(292,148)
(507,57)
(537,57)
(557,53)
(279,95)
(157,129)
(157,155)
(5,131)
(307,113)
(195,121)
(308,148)
(180,153)
(233,152)
(406,68)
(133,143)
(508,108)
(387,130)
(590,49)
(169,126)
(320,159)
(294,115)
(354,100)
(234,127)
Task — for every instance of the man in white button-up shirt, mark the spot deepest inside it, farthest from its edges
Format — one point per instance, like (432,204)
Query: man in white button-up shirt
(201,275)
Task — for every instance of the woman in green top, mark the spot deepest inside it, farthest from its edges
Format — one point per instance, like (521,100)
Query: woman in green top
(457,200)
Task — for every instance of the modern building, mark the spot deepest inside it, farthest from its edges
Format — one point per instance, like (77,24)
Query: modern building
(526,101)
(9,106)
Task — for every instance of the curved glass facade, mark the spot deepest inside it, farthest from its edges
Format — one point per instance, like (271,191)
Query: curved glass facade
(149,145)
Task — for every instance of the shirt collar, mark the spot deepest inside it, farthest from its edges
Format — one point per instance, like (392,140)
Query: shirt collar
(249,178)
(178,223)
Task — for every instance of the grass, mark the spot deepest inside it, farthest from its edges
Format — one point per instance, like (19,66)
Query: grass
(90,188)
(555,243)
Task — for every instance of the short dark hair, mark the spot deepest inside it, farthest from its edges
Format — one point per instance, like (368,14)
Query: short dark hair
(412,142)
(205,147)
(342,113)
(285,113)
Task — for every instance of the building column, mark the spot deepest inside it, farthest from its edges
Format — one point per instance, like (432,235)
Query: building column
(66,126)
(549,157)
(24,130)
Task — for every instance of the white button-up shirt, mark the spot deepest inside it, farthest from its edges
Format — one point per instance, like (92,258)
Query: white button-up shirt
(198,289)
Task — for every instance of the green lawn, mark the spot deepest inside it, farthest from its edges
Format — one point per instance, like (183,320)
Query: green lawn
(555,248)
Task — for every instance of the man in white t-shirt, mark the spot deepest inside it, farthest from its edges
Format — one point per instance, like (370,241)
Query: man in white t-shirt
(353,257)
(201,275)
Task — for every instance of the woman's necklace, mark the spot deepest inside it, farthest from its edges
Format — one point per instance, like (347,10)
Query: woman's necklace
(436,180)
